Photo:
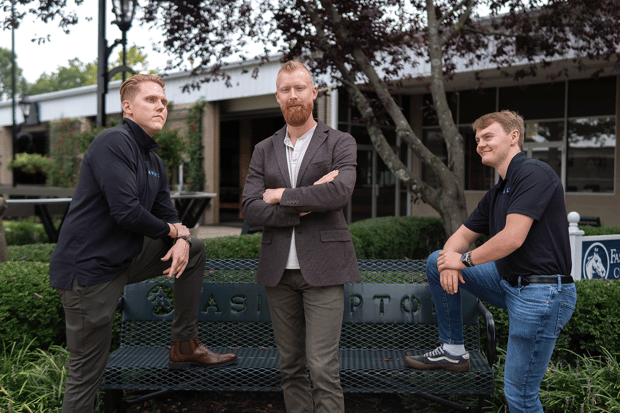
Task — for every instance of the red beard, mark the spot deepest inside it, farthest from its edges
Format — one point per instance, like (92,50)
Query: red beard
(297,115)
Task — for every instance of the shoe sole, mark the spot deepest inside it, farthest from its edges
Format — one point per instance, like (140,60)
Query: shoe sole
(187,365)
(421,366)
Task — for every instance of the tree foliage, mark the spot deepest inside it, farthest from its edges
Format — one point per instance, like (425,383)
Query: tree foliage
(375,45)
(6,78)
(77,73)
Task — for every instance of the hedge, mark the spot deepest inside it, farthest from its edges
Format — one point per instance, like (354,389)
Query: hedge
(397,238)
(30,309)
(24,231)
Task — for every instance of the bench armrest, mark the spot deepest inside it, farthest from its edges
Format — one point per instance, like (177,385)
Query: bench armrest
(120,306)
(489,321)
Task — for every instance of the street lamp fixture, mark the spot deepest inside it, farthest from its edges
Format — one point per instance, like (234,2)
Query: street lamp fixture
(25,105)
(30,110)
(124,11)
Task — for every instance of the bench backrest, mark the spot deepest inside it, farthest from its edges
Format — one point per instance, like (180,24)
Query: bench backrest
(394,315)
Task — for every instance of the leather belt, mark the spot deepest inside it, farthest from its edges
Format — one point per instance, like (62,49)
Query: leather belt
(539,279)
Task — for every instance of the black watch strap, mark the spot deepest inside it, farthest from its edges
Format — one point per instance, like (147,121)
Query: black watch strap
(186,239)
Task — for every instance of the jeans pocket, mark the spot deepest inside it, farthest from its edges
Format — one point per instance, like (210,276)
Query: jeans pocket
(565,312)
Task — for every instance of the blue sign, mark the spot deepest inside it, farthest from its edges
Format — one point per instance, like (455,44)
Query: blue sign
(601,259)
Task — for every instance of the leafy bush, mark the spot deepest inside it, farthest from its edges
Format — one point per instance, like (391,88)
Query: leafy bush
(31,252)
(593,326)
(596,321)
(31,163)
(30,309)
(234,246)
(24,231)
(194,169)
(600,230)
(397,238)
(173,146)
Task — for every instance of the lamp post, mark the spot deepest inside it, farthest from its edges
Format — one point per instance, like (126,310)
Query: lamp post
(124,11)
(14,82)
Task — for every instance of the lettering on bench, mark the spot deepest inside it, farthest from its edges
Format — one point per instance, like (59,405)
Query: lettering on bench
(211,304)
(408,304)
(356,301)
(414,306)
(381,304)
(237,303)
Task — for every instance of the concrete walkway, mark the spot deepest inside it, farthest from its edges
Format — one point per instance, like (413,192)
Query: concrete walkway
(214,231)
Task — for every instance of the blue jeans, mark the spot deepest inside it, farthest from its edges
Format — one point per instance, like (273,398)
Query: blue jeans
(536,315)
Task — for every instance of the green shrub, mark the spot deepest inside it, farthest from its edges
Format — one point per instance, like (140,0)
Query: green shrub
(31,252)
(24,231)
(31,163)
(596,321)
(593,326)
(234,246)
(30,309)
(600,230)
(397,238)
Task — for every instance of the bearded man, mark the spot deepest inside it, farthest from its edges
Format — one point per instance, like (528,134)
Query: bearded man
(299,181)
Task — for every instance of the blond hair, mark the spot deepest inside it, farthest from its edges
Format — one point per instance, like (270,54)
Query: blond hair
(291,66)
(131,86)
(508,120)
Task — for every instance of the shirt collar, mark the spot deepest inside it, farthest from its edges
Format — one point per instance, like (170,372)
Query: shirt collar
(143,139)
(287,139)
(517,160)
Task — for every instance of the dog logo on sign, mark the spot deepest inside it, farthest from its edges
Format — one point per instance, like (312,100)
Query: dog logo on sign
(596,261)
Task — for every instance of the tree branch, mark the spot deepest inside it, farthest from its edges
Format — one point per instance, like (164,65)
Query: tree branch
(447,35)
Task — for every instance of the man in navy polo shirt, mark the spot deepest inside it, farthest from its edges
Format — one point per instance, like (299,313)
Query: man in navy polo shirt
(523,268)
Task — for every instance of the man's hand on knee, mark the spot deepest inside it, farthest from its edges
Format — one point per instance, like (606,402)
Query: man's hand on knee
(450,280)
(180,257)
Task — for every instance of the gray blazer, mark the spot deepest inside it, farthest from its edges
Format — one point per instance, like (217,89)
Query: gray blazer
(324,247)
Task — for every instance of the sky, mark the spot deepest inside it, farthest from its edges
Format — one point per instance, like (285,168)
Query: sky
(35,59)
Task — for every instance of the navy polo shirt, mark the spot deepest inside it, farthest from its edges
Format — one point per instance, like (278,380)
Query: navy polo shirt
(533,189)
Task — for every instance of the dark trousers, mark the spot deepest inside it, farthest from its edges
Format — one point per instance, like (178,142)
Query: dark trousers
(90,309)
(306,323)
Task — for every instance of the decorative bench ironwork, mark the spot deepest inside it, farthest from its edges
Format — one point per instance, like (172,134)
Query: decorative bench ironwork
(387,314)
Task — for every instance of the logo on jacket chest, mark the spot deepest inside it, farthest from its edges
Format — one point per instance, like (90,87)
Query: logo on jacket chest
(153,173)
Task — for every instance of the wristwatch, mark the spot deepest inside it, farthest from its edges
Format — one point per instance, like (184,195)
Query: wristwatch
(186,239)
(466,259)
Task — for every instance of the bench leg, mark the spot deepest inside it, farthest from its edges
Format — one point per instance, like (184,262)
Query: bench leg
(113,401)
(484,404)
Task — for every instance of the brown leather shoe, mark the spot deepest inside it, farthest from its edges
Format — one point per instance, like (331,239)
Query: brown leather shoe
(184,354)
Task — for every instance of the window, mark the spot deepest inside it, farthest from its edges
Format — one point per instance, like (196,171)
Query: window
(591,155)
(570,125)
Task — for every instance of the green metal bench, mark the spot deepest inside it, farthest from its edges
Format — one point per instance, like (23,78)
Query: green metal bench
(386,315)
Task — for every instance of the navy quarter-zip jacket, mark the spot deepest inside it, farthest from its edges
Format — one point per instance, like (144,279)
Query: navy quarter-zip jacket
(122,196)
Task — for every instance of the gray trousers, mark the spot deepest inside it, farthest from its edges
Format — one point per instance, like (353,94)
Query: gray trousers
(307,322)
(90,309)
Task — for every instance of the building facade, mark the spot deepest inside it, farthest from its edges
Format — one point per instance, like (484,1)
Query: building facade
(571,124)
